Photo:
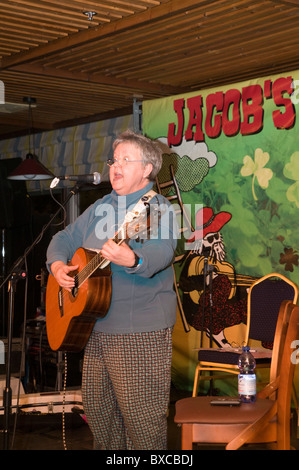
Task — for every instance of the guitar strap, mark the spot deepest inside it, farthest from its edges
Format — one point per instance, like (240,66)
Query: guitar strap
(138,209)
(132,214)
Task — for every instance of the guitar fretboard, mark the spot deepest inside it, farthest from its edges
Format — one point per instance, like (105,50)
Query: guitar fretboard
(97,262)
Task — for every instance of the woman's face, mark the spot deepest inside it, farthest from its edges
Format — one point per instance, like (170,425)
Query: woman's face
(126,178)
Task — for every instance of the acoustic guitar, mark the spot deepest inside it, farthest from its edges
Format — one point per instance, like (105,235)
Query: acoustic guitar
(196,267)
(70,316)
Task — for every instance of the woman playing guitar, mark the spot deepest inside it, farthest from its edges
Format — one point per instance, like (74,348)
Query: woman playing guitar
(127,360)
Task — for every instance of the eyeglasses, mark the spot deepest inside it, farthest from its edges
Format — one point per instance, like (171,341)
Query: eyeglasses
(124,162)
(213,237)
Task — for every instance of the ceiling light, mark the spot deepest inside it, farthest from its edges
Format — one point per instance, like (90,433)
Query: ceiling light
(90,14)
(30,168)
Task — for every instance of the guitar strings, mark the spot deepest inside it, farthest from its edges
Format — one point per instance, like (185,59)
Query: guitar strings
(239,279)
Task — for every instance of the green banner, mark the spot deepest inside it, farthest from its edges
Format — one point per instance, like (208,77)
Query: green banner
(235,154)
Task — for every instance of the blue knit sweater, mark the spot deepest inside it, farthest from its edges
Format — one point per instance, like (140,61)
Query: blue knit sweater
(143,298)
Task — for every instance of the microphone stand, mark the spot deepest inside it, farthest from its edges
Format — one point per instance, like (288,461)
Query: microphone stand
(14,275)
(211,269)
(208,271)
(205,253)
(205,272)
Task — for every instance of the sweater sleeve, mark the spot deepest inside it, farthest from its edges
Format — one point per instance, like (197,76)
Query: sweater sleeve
(64,243)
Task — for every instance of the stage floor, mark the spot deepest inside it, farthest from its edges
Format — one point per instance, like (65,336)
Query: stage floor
(43,430)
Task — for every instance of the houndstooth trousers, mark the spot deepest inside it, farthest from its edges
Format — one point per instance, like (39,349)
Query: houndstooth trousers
(125,389)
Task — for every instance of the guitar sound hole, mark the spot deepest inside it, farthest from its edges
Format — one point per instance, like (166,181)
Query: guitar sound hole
(74,291)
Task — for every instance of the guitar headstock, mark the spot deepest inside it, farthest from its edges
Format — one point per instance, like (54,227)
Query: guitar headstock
(144,224)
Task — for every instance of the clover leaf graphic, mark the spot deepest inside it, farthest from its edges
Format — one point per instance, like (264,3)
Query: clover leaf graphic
(256,168)
(291,171)
(289,258)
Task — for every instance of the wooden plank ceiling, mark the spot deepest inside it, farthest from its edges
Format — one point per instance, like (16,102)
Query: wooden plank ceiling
(81,68)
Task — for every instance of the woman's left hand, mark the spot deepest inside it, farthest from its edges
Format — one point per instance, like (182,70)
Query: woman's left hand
(118,254)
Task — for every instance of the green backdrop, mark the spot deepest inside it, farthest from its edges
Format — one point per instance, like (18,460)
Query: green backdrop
(236,150)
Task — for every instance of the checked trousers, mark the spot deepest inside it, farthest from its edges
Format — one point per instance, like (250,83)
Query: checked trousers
(125,389)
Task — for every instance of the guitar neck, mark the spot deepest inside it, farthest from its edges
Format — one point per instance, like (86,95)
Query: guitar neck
(97,262)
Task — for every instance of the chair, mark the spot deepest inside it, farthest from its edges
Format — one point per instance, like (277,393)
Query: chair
(264,300)
(265,421)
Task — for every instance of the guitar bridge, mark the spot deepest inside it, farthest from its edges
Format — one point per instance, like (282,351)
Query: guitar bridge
(60,301)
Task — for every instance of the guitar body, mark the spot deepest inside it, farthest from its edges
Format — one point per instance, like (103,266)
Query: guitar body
(70,316)
(197,266)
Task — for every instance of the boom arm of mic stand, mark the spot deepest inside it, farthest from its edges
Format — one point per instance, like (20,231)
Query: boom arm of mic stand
(13,277)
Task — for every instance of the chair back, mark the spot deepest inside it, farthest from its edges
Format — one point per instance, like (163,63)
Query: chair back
(264,300)
(280,337)
(286,376)
(281,409)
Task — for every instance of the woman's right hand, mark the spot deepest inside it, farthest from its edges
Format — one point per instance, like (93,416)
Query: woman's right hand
(60,271)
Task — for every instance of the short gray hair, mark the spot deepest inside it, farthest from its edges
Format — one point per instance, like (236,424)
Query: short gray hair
(150,150)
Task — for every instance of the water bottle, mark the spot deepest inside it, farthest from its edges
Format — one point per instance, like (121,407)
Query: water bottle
(247,377)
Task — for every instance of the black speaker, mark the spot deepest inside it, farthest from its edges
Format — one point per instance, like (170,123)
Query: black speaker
(13,194)
(17,362)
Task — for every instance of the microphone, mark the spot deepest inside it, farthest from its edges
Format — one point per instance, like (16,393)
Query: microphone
(206,251)
(94,178)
